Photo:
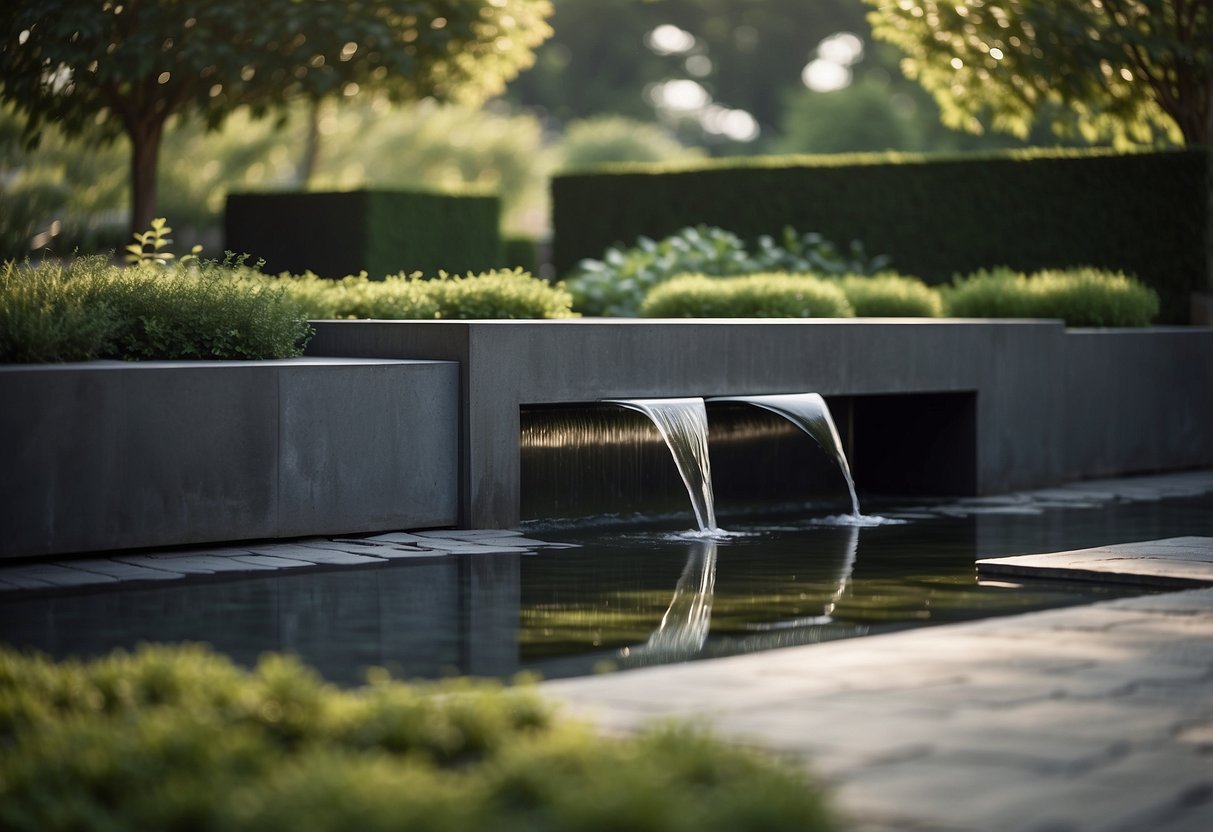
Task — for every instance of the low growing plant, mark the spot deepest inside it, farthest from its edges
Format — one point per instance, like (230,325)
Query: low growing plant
(52,312)
(617,284)
(1081,296)
(87,308)
(888,295)
(179,738)
(774,295)
(503,293)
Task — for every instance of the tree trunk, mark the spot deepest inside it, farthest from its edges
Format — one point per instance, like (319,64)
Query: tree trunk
(145,156)
(311,147)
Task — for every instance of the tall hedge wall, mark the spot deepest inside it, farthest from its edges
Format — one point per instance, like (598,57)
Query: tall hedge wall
(1144,213)
(381,232)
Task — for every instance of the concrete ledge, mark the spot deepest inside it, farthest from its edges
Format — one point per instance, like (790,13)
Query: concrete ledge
(117,455)
(1050,404)
(1177,562)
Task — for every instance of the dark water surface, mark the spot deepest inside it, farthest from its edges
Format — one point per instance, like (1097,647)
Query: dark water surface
(629,593)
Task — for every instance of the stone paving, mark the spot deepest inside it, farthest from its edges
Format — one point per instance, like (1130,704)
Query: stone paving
(1086,718)
(251,558)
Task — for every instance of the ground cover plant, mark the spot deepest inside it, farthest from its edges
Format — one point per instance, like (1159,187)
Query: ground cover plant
(179,738)
(88,308)
(1080,296)
(617,284)
(772,295)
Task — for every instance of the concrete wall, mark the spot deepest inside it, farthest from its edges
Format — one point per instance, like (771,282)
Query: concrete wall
(1034,413)
(1137,400)
(116,455)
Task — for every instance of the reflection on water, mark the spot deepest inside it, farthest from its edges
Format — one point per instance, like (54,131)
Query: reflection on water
(684,627)
(626,596)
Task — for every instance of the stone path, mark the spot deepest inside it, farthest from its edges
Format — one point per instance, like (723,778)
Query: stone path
(320,552)
(1086,718)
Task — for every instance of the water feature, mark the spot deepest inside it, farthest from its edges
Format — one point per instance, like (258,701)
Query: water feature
(683,424)
(809,412)
(630,592)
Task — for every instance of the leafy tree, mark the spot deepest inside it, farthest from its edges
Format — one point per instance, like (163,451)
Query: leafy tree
(104,68)
(1134,71)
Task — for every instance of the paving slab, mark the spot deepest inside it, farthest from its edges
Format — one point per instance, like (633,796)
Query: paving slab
(1173,561)
(1087,719)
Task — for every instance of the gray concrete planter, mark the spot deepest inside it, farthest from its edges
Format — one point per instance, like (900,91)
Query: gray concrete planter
(1028,403)
(418,426)
(116,455)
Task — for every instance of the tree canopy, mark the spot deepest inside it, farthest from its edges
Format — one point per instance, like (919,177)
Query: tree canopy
(103,68)
(1129,71)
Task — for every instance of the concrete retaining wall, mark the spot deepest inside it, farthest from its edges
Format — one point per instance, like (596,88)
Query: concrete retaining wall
(116,455)
(1051,404)
(418,426)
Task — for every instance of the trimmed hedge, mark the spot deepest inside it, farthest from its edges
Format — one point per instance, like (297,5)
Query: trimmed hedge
(1080,297)
(773,295)
(179,738)
(495,294)
(376,232)
(87,308)
(1142,213)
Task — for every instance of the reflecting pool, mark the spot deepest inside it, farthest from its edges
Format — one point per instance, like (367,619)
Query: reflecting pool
(628,592)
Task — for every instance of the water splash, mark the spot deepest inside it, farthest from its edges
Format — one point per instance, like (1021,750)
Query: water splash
(683,424)
(809,412)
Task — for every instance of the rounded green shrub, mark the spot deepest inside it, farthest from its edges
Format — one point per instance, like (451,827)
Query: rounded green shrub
(888,295)
(617,284)
(1081,296)
(773,295)
(179,738)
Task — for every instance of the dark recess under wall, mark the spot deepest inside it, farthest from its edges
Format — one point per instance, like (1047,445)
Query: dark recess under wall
(591,459)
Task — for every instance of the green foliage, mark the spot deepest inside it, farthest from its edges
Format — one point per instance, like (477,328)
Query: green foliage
(600,139)
(888,295)
(499,294)
(178,738)
(774,295)
(1079,296)
(50,312)
(85,309)
(111,69)
(617,284)
(1132,72)
(424,145)
(149,246)
(520,253)
(494,294)
(1146,214)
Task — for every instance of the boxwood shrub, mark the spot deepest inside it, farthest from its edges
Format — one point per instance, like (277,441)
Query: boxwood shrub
(772,295)
(179,738)
(1079,296)
(86,308)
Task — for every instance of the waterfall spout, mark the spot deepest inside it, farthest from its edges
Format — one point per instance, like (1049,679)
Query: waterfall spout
(683,424)
(808,411)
